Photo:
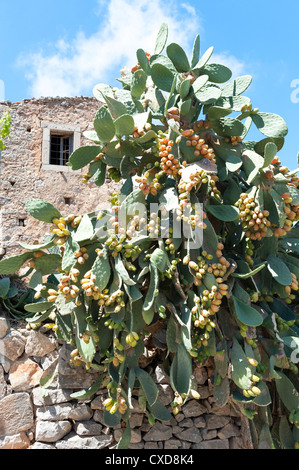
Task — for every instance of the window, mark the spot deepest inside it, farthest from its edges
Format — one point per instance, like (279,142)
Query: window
(61,147)
(67,200)
(59,141)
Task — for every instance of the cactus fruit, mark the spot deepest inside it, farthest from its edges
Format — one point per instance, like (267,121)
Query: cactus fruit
(209,303)
(254,219)
(60,230)
(114,174)
(173,113)
(132,338)
(200,125)
(169,164)
(200,146)
(149,182)
(233,140)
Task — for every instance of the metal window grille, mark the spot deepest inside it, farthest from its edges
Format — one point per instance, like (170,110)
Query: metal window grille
(61,147)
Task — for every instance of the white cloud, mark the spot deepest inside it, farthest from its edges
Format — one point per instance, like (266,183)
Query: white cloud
(235,65)
(190,9)
(76,66)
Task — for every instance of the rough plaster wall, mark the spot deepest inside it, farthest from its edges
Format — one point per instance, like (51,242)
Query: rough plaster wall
(23,178)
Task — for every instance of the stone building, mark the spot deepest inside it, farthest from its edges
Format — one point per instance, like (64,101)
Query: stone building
(44,132)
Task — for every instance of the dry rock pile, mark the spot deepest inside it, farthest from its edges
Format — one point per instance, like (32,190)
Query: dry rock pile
(31,419)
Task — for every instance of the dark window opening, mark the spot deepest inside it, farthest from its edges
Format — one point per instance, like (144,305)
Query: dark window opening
(12,183)
(60,149)
(22,222)
(67,200)
(28,129)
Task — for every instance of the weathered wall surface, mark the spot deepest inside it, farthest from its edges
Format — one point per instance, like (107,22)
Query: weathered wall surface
(22,176)
(56,421)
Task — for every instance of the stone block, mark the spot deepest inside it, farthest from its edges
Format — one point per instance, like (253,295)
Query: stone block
(186,423)
(73,441)
(229,430)
(199,422)
(24,374)
(88,428)
(165,394)
(16,414)
(208,434)
(12,345)
(53,396)
(41,446)
(212,444)
(201,375)
(216,422)
(172,444)
(158,432)
(51,431)
(190,434)
(17,441)
(54,412)
(4,325)
(38,344)
(193,408)
(3,384)
(80,412)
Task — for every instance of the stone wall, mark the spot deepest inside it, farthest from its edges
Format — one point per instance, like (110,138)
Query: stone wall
(29,420)
(23,177)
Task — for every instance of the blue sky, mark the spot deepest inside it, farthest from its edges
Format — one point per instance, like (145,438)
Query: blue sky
(64,48)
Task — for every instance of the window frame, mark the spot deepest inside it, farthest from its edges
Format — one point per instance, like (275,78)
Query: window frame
(59,153)
(58,129)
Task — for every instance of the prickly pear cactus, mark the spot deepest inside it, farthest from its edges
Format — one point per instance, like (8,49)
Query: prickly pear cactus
(4,129)
(197,255)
